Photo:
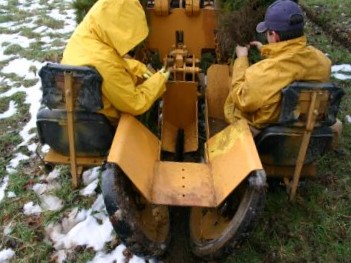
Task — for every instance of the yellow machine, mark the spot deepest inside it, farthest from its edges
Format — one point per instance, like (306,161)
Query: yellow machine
(195,159)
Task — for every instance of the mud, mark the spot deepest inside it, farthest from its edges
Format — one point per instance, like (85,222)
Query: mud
(179,249)
(339,33)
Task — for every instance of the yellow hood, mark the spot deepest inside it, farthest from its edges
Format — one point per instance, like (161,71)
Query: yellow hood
(120,24)
(109,30)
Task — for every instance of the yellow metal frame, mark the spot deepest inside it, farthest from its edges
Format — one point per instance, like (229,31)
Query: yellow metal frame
(313,112)
(180,112)
(231,156)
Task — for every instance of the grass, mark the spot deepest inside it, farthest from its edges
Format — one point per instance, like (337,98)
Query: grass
(318,227)
(315,229)
(335,10)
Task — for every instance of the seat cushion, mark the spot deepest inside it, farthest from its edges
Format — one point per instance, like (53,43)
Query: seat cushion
(279,145)
(93,132)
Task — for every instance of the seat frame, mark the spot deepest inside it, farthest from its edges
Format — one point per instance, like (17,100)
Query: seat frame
(81,91)
(308,107)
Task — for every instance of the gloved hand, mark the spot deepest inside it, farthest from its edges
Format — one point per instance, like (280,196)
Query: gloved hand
(166,73)
(147,74)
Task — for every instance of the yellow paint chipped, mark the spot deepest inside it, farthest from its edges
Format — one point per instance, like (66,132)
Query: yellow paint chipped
(224,140)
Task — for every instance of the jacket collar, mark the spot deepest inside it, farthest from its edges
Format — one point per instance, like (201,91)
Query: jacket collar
(275,49)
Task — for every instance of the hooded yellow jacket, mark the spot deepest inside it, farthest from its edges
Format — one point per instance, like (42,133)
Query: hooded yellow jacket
(256,90)
(110,30)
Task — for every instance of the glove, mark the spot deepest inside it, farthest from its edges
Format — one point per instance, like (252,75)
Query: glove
(147,74)
(166,73)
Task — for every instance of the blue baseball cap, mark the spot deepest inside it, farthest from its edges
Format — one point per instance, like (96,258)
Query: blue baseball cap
(278,17)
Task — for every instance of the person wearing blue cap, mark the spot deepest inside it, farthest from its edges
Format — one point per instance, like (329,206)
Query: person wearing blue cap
(256,90)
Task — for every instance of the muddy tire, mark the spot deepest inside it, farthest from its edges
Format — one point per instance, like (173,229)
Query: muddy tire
(216,232)
(142,227)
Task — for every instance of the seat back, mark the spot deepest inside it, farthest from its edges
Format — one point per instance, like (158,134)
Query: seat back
(279,144)
(93,132)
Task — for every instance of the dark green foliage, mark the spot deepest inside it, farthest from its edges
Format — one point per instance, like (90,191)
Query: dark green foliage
(238,23)
(82,7)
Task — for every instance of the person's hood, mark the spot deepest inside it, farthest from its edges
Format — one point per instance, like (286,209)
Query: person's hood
(120,24)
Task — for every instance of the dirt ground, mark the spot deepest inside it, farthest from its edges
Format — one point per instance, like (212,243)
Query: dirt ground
(339,30)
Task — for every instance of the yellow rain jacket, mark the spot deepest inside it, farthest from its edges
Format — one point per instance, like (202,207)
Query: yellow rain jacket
(110,30)
(256,90)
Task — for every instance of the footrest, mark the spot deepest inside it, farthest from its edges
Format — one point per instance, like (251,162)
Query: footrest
(56,158)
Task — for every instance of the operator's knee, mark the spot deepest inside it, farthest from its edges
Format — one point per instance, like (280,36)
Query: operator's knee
(337,130)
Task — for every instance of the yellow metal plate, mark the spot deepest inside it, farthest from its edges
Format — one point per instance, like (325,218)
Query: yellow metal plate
(186,184)
(217,90)
(233,156)
(136,150)
(56,158)
(180,112)
(199,31)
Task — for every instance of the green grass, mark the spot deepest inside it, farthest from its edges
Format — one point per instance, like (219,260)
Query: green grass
(50,22)
(317,228)
(335,10)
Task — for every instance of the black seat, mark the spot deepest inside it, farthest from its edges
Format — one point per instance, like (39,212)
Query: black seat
(93,131)
(279,144)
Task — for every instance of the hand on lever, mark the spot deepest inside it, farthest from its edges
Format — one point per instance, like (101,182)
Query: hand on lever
(165,72)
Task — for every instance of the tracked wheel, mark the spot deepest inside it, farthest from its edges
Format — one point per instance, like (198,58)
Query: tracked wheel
(142,227)
(216,232)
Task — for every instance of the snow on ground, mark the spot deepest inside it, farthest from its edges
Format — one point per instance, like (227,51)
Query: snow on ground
(342,72)
(81,227)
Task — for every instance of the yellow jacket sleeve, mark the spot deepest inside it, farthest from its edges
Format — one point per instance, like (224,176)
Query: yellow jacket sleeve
(136,67)
(124,95)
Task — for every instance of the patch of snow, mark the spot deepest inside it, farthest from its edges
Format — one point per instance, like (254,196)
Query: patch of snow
(15,161)
(40,189)
(3,185)
(24,42)
(6,255)
(342,67)
(115,256)
(75,231)
(21,67)
(91,180)
(89,190)
(31,209)
(99,204)
(32,147)
(50,202)
(33,99)
(342,72)
(348,118)
(7,229)
(11,194)
(10,112)
(53,175)
(12,91)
